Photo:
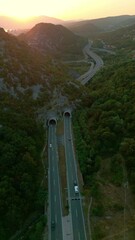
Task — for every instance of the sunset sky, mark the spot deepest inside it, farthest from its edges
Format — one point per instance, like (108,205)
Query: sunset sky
(67,10)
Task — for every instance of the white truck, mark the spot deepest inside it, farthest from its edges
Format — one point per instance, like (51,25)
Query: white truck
(76,189)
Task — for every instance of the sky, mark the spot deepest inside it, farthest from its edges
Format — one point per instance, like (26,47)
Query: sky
(66,9)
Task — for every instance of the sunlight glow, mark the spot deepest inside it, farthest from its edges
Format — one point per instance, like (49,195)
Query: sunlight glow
(71,9)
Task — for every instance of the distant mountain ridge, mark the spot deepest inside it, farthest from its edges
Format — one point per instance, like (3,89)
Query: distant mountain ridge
(113,23)
(94,26)
(12,23)
(79,27)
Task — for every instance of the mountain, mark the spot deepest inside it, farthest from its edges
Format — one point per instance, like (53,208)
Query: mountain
(113,23)
(83,28)
(94,26)
(50,38)
(20,65)
(24,69)
(11,23)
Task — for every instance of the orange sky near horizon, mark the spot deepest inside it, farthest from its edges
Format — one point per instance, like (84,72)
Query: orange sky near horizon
(66,10)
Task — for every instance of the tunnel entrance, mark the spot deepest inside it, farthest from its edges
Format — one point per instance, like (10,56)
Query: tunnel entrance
(67,114)
(52,121)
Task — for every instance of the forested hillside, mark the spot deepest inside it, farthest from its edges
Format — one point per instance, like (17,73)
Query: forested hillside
(104,127)
(22,137)
(21,172)
(122,38)
(120,44)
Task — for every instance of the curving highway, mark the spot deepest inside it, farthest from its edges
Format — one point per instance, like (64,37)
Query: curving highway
(94,67)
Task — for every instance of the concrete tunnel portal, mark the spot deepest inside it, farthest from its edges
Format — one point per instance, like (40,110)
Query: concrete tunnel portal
(52,121)
(67,113)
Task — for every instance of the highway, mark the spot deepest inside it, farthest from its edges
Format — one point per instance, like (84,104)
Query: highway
(98,63)
(55,209)
(75,201)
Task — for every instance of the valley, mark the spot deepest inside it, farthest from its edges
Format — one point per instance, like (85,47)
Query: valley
(38,77)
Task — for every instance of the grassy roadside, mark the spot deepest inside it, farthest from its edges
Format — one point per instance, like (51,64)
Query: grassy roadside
(62,168)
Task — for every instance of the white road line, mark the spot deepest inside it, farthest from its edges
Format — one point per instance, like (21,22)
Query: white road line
(76,213)
(56,218)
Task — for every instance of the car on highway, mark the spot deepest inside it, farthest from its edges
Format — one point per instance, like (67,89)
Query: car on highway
(52,224)
(76,189)
(75,183)
(50,145)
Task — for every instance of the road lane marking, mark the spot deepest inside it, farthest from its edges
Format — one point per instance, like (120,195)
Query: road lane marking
(76,213)
(56,218)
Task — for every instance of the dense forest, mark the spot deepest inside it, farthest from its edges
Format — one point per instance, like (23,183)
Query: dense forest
(122,38)
(21,172)
(104,129)
(107,121)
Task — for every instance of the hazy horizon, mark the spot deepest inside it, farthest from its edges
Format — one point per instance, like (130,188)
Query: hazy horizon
(71,10)
(11,23)
(66,20)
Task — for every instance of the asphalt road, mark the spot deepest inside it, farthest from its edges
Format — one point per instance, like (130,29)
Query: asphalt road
(55,210)
(98,63)
(75,201)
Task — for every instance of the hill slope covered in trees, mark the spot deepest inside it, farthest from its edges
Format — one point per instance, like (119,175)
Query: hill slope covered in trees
(104,127)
